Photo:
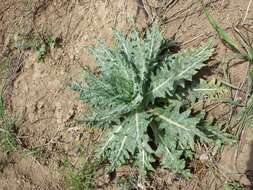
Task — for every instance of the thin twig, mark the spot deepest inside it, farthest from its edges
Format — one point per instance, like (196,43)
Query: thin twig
(232,86)
(237,91)
(195,38)
(144,5)
(247,11)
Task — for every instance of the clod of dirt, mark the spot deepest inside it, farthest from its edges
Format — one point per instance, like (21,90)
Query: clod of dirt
(236,161)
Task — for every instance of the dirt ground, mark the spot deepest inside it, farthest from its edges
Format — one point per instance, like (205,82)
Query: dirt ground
(43,104)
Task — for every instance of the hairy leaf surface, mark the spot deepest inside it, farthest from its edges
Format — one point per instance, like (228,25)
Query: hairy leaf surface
(210,90)
(177,69)
(129,139)
(180,126)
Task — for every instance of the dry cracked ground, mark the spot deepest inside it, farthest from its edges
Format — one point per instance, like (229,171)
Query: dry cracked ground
(42,43)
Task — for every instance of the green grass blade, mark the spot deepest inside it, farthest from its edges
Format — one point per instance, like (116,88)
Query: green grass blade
(224,36)
(246,45)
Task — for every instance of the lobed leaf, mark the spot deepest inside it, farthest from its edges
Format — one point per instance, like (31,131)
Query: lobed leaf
(129,140)
(203,90)
(179,125)
(168,152)
(177,69)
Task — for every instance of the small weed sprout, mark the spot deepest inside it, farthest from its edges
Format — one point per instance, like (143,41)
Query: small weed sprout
(79,179)
(38,43)
(7,137)
(233,185)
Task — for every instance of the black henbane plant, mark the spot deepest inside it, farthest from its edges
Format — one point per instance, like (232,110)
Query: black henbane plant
(140,95)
